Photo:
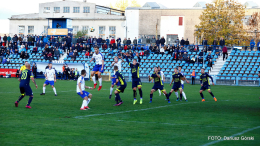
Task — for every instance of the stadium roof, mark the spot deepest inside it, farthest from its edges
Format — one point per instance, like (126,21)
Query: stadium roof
(250,4)
(200,5)
(152,5)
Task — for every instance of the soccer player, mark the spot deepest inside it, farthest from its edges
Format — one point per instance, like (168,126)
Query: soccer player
(50,77)
(157,84)
(99,67)
(25,88)
(118,64)
(182,84)
(176,77)
(81,91)
(162,78)
(136,81)
(120,89)
(204,81)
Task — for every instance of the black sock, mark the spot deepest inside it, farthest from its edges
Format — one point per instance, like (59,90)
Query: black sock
(134,94)
(180,96)
(211,94)
(141,93)
(20,98)
(151,97)
(30,100)
(117,99)
(170,94)
(201,95)
(167,96)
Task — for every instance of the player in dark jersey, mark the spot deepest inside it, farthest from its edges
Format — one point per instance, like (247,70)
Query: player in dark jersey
(157,84)
(204,81)
(25,88)
(176,78)
(136,81)
(120,89)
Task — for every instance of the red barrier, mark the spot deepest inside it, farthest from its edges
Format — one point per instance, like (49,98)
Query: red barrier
(4,71)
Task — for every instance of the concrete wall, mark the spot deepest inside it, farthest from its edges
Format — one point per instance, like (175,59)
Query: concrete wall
(149,18)
(132,23)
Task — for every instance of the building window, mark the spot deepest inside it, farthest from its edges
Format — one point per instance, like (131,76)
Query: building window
(30,29)
(45,30)
(75,9)
(86,10)
(112,31)
(56,9)
(102,31)
(180,21)
(66,9)
(21,29)
(75,29)
(46,10)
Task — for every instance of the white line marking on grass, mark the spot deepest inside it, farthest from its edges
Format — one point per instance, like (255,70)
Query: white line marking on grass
(94,115)
(240,133)
(48,91)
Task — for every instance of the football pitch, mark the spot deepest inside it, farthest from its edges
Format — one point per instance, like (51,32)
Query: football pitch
(58,120)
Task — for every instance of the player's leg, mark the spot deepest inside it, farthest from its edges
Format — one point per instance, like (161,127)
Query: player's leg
(134,95)
(93,77)
(54,89)
(141,93)
(99,77)
(88,99)
(183,94)
(44,87)
(170,93)
(118,99)
(167,95)
(22,91)
(212,94)
(180,93)
(159,92)
(84,103)
(28,91)
(151,95)
(111,90)
(201,94)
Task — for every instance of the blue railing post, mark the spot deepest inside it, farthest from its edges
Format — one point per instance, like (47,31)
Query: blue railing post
(237,81)
(259,82)
(129,76)
(215,79)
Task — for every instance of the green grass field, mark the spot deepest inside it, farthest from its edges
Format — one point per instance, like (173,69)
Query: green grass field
(57,120)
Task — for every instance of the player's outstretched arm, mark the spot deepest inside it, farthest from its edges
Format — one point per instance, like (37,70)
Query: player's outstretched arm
(149,77)
(211,79)
(91,59)
(33,80)
(89,87)
(122,60)
(116,82)
(55,78)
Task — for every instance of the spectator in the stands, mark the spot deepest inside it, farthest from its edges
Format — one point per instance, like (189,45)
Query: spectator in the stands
(128,42)
(29,40)
(215,43)
(104,47)
(73,57)
(193,74)
(192,60)
(4,61)
(158,42)
(142,54)
(45,40)
(26,56)
(210,63)
(71,75)
(67,70)
(57,53)
(49,56)
(175,56)
(76,53)
(68,42)
(25,39)
(74,40)
(44,54)
(217,52)
(204,42)
(188,60)
(111,52)
(146,53)
(129,47)
(252,45)
(208,57)
(153,41)
(107,42)
(70,53)
(34,70)
(22,55)
(87,54)
(185,56)
(9,40)
(162,50)
(182,42)
(118,41)
(222,43)
(201,53)
(17,73)
(225,53)
(187,43)
(42,45)
(35,49)
(180,57)
(148,40)
(135,42)
(99,41)
(162,41)
(199,60)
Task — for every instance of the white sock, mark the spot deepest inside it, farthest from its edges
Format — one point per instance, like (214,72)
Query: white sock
(100,81)
(88,101)
(54,89)
(83,103)
(184,95)
(94,79)
(176,93)
(159,92)
(43,89)
(111,90)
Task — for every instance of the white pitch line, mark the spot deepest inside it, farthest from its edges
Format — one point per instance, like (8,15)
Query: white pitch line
(50,91)
(240,133)
(94,115)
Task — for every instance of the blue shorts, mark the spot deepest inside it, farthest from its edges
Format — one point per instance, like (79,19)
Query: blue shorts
(182,85)
(121,88)
(162,82)
(85,94)
(98,68)
(136,83)
(176,87)
(160,87)
(26,90)
(204,87)
(49,82)
(113,81)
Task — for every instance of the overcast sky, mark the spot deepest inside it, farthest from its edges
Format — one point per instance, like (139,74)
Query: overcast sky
(16,7)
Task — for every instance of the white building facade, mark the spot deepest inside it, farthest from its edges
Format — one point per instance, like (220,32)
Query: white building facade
(106,22)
